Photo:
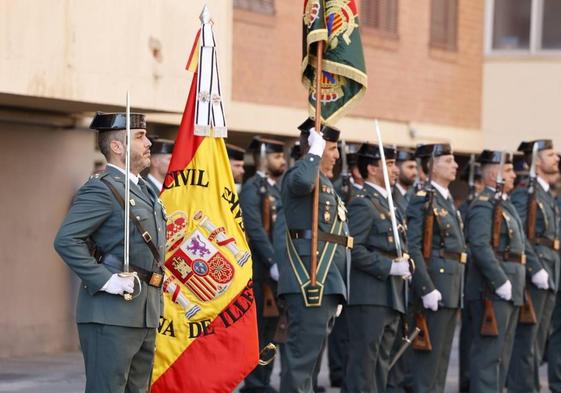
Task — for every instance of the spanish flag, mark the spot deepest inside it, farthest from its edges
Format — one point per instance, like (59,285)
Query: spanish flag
(207,339)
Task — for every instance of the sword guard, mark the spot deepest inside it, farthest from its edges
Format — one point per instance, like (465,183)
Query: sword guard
(131,296)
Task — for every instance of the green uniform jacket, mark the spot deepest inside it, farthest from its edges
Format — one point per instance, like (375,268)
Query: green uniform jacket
(297,194)
(95,214)
(446,275)
(487,273)
(401,201)
(374,249)
(354,190)
(547,226)
(266,248)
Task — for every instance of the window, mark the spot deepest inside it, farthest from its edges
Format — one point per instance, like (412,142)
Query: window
(444,24)
(260,6)
(380,15)
(523,26)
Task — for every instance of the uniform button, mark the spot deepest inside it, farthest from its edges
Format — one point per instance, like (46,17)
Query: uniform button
(441,270)
(423,288)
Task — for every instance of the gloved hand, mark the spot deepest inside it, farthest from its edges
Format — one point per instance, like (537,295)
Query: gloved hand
(316,142)
(339,310)
(400,267)
(431,299)
(117,285)
(541,279)
(274,272)
(505,291)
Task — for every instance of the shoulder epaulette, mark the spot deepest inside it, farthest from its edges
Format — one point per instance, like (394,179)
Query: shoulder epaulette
(421,193)
(483,198)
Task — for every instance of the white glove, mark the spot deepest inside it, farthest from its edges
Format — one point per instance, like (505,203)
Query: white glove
(274,272)
(505,291)
(541,279)
(400,267)
(316,142)
(431,299)
(117,285)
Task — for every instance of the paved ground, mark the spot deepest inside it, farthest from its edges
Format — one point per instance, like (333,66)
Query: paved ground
(64,374)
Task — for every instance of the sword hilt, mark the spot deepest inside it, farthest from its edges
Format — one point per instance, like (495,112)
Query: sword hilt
(131,296)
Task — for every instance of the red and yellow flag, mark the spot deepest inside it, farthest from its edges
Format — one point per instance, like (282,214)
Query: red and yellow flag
(207,340)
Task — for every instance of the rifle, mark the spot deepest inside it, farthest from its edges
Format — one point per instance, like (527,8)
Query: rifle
(422,342)
(471,178)
(527,311)
(532,201)
(270,308)
(489,326)
(345,175)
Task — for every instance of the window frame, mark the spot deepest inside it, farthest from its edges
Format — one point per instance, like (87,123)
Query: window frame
(453,46)
(370,29)
(536,29)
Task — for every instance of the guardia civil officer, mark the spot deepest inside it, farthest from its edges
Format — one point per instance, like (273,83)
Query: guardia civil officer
(265,228)
(117,337)
(542,272)
(496,278)
(311,311)
(160,156)
(236,156)
(553,355)
(408,173)
(439,275)
(378,276)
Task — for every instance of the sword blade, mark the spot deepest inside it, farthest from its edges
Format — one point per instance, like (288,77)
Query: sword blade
(126,259)
(395,228)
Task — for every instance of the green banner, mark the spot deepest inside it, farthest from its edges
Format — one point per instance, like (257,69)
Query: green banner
(343,78)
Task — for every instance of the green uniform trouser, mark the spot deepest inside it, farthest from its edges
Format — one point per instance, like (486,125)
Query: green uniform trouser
(338,348)
(529,345)
(118,359)
(428,368)
(260,378)
(554,349)
(308,329)
(397,374)
(372,332)
(466,337)
(490,356)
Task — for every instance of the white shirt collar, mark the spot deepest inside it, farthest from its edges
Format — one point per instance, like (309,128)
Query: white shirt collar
(544,184)
(381,190)
(505,195)
(442,190)
(402,190)
(261,173)
(271,181)
(134,178)
(156,182)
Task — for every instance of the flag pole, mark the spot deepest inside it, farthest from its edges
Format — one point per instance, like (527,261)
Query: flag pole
(315,209)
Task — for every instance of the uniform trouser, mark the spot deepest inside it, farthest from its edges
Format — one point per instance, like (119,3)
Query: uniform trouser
(308,328)
(372,332)
(117,359)
(529,344)
(554,349)
(490,356)
(466,336)
(397,374)
(337,349)
(259,379)
(428,368)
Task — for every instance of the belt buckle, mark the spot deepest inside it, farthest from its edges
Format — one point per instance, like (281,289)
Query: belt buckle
(463,257)
(146,236)
(556,244)
(156,280)
(350,242)
(523,259)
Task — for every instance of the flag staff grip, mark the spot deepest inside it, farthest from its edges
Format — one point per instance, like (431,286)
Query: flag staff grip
(315,209)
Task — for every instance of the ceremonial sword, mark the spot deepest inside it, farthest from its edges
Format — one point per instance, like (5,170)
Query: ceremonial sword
(398,247)
(126,255)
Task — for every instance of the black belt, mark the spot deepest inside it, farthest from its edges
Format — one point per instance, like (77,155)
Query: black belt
(346,241)
(461,257)
(154,279)
(511,257)
(544,241)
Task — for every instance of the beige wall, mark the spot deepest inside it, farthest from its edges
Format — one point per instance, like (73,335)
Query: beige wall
(521,101)
(94,51)
(41,169)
